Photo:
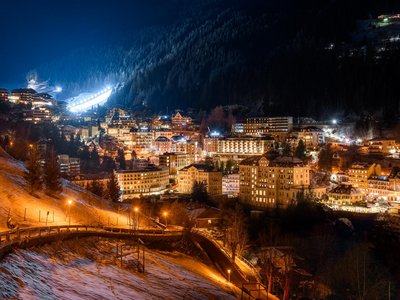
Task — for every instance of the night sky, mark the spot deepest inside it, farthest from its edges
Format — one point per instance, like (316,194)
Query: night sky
(39,31)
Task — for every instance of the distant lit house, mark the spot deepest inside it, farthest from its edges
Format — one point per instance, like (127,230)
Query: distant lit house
(206,217)
(360,172)
(84,180)
(180,121)
(378,186)
(69,166)
(383,146)
(4,95)
(311,136)
(202,173)
(345,195)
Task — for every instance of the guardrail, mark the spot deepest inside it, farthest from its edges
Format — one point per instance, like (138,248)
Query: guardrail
(227,253)
(10,236)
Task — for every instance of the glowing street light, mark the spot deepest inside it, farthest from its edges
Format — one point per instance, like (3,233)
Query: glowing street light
(165,217)
(334,121)
(69,202)
(229,275)
(136,209)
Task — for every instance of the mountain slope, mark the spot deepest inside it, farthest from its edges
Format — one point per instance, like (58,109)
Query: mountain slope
(16,201)
(225,52)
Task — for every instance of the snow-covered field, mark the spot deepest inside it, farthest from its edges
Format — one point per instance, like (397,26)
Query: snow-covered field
(25,209)
(89,269)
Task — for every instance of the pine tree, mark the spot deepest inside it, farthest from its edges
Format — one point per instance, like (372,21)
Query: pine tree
(300,151)
(325,159)
(96,188)
(286,149)
(199,192)
(121,159)
(94,161)
(33,173)
(52,175)
(114,191)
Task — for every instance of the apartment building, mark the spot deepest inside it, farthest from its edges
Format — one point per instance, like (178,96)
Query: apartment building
(268,125)
(265,183)
(148,180)
(200,173)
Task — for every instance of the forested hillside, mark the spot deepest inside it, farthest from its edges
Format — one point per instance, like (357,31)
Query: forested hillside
(294,58)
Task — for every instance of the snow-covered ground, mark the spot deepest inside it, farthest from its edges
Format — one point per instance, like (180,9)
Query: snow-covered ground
(86,208)
(89,269)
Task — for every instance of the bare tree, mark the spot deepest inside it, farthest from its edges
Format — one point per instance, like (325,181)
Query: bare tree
(236,231)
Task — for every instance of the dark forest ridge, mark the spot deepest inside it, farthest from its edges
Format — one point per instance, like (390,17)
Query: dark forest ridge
(288,58)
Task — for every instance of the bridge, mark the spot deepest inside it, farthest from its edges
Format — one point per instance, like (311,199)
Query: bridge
(24,238)
(36,236)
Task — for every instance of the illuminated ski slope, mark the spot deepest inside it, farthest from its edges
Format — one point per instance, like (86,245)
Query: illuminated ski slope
(86,101)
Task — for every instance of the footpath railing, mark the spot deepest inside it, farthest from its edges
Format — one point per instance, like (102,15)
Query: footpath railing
(11,236)
(227,253)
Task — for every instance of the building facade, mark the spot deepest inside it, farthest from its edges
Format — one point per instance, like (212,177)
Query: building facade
(265,183)
(202,173)
(268,125)
(149,180)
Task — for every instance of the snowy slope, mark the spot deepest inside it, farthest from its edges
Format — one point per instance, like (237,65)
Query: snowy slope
(90,271)
(14,198)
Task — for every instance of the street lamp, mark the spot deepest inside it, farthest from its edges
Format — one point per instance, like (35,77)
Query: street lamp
(137,217)
(69,211)
(165,216)
(229,275)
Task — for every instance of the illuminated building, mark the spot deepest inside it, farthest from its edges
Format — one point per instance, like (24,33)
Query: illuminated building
(174,162)
(141,142)
(164,132)
(210,145)
(311,136)
(230,185)
(244,146)
(345,195)
(37,115)
(181,145)
(378,186)
(121,133)
(143,181)
(22,96)
(162,144)
(69,166)
(180,121)
(360,172)
(238,128)
(4,95)
(42,100)
(382,146)
(84,180)
(265,183)
(268,125)
(201,173)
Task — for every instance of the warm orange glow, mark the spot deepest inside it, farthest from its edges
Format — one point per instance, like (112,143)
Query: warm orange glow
(136,209)
(165,213)
(229,271)
(69,202)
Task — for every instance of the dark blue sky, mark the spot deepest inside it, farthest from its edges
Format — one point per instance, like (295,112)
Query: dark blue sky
(38,31)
